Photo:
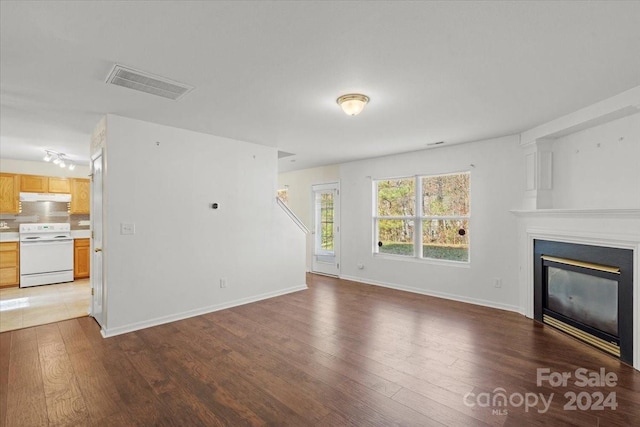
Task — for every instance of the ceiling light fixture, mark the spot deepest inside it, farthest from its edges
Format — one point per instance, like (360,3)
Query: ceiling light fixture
(59,159)
(352,103)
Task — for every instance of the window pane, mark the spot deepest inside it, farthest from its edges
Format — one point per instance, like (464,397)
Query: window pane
(326,222)
(446,239)
(396,236)
(446,195)
(396,197)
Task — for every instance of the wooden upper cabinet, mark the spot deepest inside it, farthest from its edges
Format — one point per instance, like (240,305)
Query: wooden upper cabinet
(34,184)
(80,190)
(44,184)
(59,185)
(9,193)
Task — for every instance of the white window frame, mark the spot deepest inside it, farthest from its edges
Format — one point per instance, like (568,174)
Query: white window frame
(417,219)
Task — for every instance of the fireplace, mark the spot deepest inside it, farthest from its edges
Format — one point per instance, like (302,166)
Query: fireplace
(586,291)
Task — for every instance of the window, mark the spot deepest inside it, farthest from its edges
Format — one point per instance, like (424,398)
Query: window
(434,225)
(324,219)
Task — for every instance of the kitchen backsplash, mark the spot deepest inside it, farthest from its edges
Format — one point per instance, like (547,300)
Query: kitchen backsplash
(39,212)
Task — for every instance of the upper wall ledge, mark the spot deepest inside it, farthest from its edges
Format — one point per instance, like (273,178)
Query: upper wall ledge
(608,213)
(621,105)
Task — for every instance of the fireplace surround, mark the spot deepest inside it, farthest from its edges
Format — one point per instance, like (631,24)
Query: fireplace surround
(587,292)
(619,228)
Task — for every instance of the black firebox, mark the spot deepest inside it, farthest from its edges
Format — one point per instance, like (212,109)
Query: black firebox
(587,292)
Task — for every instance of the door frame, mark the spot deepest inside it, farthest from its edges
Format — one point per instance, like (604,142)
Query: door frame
(319,267)
(98,258)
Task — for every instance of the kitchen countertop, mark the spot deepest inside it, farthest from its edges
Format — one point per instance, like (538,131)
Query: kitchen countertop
(81,234)
(10,236)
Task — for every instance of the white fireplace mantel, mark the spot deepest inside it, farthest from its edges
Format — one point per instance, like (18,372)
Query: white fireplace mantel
(577,213)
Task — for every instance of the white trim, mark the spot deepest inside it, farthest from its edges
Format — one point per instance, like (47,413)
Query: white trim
(325,186)
(292,215)
(586,213)
(434,261)
(111,332)
(333,267)
(624,241)
(418,218)
(443,295)
(618,106)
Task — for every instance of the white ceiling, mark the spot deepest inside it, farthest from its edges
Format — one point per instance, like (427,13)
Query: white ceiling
(270,72)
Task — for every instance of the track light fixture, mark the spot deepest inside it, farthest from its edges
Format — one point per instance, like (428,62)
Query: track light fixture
(59,159)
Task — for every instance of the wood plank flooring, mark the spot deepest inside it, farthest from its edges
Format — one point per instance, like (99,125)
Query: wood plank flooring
(338,354)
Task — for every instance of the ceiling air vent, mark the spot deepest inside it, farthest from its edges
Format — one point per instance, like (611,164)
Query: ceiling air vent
(147,82)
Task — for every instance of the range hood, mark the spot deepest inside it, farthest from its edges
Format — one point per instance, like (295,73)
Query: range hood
(45,197)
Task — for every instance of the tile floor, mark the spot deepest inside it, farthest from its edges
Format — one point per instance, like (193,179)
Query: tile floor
(25,307)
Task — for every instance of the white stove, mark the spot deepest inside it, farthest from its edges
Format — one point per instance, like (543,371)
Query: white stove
(46,254)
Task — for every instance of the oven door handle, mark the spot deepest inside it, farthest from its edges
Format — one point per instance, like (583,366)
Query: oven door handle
(45,242)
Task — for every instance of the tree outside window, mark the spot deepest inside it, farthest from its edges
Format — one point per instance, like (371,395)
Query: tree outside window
(434,225)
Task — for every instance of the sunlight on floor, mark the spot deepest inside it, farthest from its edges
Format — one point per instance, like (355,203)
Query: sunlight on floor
(25,307)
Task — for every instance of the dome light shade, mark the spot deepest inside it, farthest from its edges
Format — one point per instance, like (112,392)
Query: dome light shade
(352,103)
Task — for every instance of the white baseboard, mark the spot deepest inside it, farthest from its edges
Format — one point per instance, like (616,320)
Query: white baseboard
(444,295)
(111,332)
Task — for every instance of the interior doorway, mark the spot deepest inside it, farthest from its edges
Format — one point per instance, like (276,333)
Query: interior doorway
(326,229)
(96,226)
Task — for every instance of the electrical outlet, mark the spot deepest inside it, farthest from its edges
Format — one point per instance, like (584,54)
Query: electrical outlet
(497,282)
(223,282)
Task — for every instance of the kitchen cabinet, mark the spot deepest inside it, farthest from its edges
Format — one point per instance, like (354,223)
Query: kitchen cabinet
(80,190)
(9,193)
(9,264)
(59,185)
(44,184)
(81,258)
(34,183)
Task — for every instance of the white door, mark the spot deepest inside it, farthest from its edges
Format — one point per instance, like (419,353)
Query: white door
(326,229)
(96,227)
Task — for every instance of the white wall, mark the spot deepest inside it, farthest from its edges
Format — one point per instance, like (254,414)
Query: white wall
(42,168)
(598,167)
(496,187)
(300,202)
(594,188)
(163,180)
(592,168)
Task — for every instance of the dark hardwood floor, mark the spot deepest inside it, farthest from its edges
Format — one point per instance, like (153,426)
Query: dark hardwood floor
(340,353)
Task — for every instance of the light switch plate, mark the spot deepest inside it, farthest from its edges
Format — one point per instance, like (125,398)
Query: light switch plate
(126,228)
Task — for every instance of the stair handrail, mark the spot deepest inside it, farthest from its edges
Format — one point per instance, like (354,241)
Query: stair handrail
(292,215)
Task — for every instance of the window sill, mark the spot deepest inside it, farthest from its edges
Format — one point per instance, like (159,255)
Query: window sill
(431,261)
